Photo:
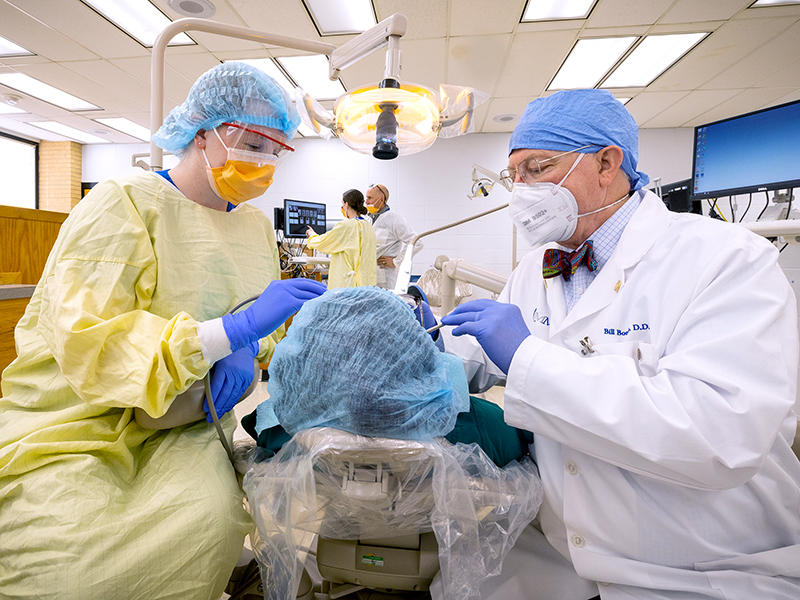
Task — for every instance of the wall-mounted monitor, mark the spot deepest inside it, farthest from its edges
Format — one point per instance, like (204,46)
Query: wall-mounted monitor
(755,152)
(299,215)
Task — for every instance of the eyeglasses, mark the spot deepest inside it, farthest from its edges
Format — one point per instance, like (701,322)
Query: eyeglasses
(256,142)
(530,169)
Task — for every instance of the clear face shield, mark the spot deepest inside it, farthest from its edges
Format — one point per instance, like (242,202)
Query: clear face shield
(254,143)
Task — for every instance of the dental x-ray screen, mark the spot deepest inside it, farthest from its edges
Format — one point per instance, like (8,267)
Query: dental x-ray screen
(299,215)
(755,152)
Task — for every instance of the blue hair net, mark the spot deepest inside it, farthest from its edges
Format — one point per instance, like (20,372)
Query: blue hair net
(231,91)
(356,359)
(573,118)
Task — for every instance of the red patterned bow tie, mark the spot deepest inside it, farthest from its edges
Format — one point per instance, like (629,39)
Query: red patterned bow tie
(557,262)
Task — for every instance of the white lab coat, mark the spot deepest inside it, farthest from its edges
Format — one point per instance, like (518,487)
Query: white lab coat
(666,452)
(393,235)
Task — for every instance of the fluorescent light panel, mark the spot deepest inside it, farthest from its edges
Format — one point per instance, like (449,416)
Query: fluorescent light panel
(306,131)
(138,18)
(270,68)
(127,126)
(589,61)
(762,3)
(311,74)
(5,109)
(651,58)
(624,100)
(343,16)
(548,10)
(70,132)
(9,48)
(37,89)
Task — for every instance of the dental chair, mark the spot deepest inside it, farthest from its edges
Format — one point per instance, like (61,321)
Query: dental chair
(388,515)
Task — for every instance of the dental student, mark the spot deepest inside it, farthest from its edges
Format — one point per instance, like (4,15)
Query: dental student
(127,315)
(653,355)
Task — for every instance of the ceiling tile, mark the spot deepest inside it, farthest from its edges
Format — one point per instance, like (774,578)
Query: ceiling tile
(717,52)
(482,17)
(528,70)
(617,13)
(115,79)
(504,106)
(744,102)
(763,62)
(689,107)
(474,61)
(647,105)
(691,11)
(23,29)
(277,16)
(426,18)
(789,76)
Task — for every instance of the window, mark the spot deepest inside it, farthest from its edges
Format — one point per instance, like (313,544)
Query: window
(19,160)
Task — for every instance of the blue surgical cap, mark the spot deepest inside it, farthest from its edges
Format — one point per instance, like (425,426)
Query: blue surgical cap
(573,118)
(231,91)
(356,359)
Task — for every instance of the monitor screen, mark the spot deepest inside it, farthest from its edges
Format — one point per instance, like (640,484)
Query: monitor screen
(755,152)
(299,215)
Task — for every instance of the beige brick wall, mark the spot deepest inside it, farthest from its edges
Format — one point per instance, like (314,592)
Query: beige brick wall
(59,175)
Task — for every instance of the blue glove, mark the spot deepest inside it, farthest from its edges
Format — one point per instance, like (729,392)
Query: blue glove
(278,302)
(232,376)
(423,312)
(498,327)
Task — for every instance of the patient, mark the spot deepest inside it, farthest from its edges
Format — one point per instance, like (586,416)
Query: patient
(356,359)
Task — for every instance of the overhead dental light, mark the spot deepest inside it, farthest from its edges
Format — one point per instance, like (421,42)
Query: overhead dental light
(483,181)
(386,120)
(390,118)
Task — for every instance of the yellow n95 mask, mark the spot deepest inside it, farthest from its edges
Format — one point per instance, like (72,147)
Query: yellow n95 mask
(239,180)
(371,209)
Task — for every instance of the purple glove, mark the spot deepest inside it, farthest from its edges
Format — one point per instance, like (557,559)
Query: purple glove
(278,302)
(232,376)
(498,327)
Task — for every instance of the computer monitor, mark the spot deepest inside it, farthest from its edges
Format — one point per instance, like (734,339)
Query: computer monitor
(755,152)
(677,197)
(299,215)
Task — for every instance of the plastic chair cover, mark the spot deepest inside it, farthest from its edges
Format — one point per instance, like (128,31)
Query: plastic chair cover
(475,509)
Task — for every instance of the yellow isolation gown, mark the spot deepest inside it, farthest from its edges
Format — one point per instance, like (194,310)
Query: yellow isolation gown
(92,505)
(351,245)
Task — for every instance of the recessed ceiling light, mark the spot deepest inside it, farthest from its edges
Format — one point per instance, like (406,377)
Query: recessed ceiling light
(199,9)
(306,131)
(548,10)
(140,19)
(126,126)
(311,74)
(270,68)
(651,58)
(37,89)
(504,118)
(624,100)
(9,48)
(69,132)
(345,16)
(589,61)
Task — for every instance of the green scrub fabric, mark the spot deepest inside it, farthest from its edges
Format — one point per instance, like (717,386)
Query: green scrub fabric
(93,506)
(483,425)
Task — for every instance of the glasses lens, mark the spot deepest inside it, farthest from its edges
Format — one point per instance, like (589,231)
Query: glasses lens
(412,301)
(529,170)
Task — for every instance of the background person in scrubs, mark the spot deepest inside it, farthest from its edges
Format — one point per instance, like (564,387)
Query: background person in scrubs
(654,357)
(392,234)
(126,315)
(351,245)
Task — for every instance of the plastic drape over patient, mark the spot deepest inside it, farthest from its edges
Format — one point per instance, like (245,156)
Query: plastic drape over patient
(356,359)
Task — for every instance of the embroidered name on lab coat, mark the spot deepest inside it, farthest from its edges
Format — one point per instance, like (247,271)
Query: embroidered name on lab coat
(624,332)
(541,319)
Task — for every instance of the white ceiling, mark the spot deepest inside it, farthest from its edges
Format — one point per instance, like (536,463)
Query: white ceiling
(750,61)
